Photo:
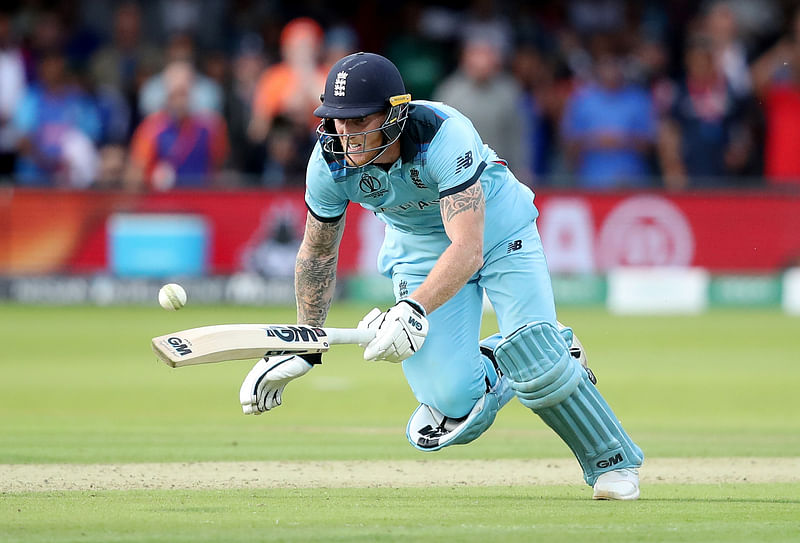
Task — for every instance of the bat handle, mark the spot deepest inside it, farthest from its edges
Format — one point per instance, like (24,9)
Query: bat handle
(349,335)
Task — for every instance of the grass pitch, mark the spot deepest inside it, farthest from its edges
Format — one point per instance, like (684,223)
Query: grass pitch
(80,386)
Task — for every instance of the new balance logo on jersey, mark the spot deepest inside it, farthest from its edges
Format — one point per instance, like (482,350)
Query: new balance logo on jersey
(340,84)
(515,245)
(464,162)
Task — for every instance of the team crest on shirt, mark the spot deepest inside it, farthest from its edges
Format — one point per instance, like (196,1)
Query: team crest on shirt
(416,180)
(340,84)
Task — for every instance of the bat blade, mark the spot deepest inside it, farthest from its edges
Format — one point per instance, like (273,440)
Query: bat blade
(220,343)
(237,342)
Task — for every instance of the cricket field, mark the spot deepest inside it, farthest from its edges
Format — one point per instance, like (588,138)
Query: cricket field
(100,442)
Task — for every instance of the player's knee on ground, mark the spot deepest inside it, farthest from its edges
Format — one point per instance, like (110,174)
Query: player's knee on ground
(548,380)
(429,429)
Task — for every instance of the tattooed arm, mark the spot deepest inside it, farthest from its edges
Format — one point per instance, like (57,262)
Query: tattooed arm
(315,269)
(462,215)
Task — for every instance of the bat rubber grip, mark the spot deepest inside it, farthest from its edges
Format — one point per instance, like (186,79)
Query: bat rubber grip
(349,335)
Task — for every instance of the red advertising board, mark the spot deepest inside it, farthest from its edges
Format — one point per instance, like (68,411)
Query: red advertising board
(44,232)
(718,231)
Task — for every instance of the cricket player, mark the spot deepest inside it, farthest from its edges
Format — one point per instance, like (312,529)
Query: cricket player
(458,224)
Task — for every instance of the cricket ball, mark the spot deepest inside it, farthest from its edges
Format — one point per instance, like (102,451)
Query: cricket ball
(172,296)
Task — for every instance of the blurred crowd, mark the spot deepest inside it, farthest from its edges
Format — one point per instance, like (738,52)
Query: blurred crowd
(596,94)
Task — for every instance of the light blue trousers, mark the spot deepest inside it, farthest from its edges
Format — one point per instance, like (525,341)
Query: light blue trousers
(448,372)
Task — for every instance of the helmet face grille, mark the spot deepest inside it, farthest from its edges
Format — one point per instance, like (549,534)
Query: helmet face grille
(391,129)
(359,85)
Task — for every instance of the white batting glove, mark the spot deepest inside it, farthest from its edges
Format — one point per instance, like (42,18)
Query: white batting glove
(399,332)
(263,387)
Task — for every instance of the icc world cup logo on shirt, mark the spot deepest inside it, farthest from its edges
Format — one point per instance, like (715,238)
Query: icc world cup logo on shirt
(371,186)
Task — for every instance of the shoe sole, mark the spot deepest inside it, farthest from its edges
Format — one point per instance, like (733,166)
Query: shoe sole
(609,497)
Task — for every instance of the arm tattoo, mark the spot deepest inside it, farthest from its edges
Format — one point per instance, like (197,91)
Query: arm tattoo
(315,270)
(466,200)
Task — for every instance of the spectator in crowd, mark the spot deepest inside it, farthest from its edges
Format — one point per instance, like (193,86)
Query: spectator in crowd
(177,147)
(198,18)
(728,47)
(292,87)
(115,126)
(776,80)
(12,89)
(650,67)
(126,62)
(288,149)
(704,137)
(59,126)
(592,16)
(206,93)
(483,91)
(542,103)
(340,41)
(609,128)
(484,18)
(607,124)
(44,33)
(247,157)
(421,61)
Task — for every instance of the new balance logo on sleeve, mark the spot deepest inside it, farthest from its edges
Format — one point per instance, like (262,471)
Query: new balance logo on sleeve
(515,245)
(464,162)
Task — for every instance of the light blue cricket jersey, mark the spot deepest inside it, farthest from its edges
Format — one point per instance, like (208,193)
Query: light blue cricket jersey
(441,153)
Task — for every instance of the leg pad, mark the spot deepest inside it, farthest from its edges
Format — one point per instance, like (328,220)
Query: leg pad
(553,384)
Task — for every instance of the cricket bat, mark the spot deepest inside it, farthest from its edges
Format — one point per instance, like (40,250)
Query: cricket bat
(224,342)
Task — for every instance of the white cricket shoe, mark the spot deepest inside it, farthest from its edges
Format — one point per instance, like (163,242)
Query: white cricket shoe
(620,484)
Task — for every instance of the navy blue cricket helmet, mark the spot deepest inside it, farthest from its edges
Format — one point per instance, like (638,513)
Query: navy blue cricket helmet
(359,85)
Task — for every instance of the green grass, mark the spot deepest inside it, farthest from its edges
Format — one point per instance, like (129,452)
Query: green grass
(729,513)
(80,385)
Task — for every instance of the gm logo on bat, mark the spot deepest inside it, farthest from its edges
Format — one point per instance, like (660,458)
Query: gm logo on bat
(179,346)
(291,334)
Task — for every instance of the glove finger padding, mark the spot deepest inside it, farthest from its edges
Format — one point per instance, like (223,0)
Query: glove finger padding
(262,388)
(371,321)
(400,333)
(390,345)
